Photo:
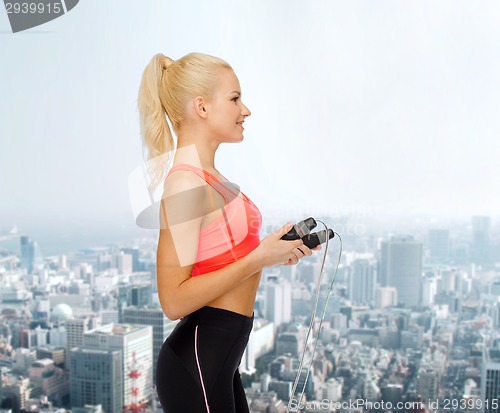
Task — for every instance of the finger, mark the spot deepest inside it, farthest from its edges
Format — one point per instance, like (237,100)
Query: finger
(305,250)
(284,229)
(296,243)
(294,259)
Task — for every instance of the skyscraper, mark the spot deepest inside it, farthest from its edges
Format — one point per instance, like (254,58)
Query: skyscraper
(97,378)
(362,281)
(278,301)
(154,317)
(75,327)
(27,253)
(135,343)
(490,380)
(136,294)
(481,227)
(401,267)
(428,384)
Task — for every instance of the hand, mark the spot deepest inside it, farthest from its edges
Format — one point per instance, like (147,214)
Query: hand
(272,250)
(301,252)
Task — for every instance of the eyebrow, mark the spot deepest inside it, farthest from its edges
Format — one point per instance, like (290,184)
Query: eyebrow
(236,91)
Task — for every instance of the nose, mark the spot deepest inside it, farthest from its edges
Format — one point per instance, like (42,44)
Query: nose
(246,112)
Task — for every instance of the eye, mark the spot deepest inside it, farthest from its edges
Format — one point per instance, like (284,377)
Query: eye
(235,99)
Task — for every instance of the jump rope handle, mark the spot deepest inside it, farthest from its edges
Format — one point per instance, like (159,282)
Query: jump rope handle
(303,230)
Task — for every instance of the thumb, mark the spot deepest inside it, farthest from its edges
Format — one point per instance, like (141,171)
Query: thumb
(284,229)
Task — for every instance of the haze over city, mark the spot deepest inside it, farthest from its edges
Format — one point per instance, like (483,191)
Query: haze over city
(385,108)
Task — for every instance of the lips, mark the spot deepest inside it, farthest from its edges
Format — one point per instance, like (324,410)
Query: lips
(240,124)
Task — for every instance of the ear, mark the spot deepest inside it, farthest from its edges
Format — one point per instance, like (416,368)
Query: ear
(199,107)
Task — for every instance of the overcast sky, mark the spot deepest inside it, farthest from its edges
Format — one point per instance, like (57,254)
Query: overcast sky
(388,106)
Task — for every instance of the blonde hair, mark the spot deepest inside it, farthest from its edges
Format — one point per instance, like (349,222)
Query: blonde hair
(165,88)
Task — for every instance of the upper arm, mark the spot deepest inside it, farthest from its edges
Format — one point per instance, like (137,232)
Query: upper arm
(182,209)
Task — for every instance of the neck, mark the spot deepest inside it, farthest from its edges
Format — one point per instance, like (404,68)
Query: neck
(196,154)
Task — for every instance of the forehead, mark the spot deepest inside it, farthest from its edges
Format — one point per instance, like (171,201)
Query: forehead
(228,82)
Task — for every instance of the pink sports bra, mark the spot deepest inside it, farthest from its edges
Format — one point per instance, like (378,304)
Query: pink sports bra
(233,235)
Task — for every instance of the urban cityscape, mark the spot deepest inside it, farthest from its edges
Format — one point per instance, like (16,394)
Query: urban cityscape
(411,323)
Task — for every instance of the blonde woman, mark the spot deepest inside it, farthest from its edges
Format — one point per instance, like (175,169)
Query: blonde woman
(210,256)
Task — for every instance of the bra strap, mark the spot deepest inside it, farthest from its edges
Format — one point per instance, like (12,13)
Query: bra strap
(207,177)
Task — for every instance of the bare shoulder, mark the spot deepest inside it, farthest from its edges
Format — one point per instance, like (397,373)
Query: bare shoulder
(183,207)
(184,198)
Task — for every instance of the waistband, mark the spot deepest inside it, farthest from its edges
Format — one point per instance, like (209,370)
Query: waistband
(221,316)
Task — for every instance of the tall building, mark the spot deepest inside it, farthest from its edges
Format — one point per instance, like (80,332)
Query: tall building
(401,267)
(278,301)
(362,281)
(137,295)
(75,327)
(135,253)
(97,377)
(135,344)
(429,290)
(490,380)
(154,317)
(481,228)
(27,253)
(428,384)
(260,342)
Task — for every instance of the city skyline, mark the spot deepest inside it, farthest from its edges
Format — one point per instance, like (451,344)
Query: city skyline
(64,323)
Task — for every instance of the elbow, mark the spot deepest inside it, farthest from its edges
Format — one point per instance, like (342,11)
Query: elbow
(171,308)
(171,312)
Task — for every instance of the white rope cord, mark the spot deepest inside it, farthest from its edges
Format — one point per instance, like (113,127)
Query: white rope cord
(313,316)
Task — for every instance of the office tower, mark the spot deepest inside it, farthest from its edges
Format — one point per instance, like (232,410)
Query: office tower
(392,393)
(27,253)
(278,301)
(429,290)
(135,253)
(154,317)
(137,295)
(289,343)
(260,342)
(428,384)
(362,281)
(490,380)
(75,327)
(448,282)
(123,262)
(481,227)
(135,344)
(401,267)
(439,244)
(333,389)
(97,377)
(48,379)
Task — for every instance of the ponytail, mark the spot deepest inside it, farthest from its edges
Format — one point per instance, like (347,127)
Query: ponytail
(155,131)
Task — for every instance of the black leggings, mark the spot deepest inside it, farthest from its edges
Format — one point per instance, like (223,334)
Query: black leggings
(197,370)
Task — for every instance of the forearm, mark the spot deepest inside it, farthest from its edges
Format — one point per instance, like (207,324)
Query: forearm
(195,292)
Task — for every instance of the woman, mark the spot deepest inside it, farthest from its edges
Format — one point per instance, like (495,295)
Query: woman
(210,256)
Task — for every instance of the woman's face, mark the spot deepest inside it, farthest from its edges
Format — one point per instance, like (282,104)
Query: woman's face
(225,111)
